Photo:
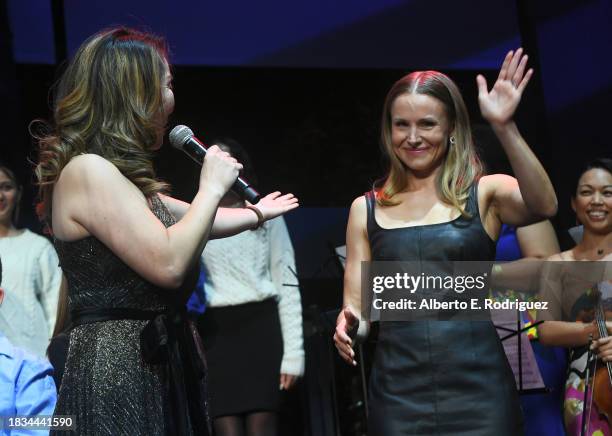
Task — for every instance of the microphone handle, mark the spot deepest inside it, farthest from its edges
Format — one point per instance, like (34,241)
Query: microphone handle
(196,150)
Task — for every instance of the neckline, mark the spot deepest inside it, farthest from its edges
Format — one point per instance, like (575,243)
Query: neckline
(372,208)
(21,233)
(415,226)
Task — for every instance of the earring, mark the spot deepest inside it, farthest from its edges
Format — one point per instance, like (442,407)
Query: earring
(452,140)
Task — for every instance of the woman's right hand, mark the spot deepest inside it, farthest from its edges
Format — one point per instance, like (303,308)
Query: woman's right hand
(347,325)
(219,171)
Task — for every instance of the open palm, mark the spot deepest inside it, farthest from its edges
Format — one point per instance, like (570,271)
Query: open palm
(498,105)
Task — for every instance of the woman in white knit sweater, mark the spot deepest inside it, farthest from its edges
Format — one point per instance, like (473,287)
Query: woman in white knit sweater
(252,327)
(32,276)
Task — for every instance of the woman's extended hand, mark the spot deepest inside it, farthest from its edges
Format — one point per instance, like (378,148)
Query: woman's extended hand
(275,204)
(347,325)
(498,105)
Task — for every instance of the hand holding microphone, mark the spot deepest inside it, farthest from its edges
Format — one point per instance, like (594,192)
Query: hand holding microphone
(220,167)
(219,171)
(182,137)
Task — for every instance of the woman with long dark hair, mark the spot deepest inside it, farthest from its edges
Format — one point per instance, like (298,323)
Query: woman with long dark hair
(570,321)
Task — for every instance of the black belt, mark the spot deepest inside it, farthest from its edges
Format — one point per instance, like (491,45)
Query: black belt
(171,340)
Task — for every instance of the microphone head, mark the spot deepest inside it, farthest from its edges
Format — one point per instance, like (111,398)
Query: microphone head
(179,135)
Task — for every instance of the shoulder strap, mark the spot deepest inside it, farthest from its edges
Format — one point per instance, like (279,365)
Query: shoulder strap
(472,202)
(370,197)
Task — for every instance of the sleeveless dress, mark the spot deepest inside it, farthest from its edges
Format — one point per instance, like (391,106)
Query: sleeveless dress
(107,384)
(439,377)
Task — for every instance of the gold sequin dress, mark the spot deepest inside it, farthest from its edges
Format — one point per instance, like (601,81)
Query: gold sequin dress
(108,386)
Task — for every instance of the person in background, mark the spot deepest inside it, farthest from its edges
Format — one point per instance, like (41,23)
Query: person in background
(252,326)
(32,276)
(541,410)
(569,321)
(60,339)
(26,382)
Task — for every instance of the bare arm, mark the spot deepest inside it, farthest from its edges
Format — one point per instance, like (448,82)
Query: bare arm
(230,221)
(530,196)
(93,198)
(537,242)
(357,251)
(566,334)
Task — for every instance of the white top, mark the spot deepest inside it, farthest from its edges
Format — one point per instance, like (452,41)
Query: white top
(31,279)
(253,266)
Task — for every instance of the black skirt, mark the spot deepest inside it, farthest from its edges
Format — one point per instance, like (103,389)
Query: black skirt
(244,349)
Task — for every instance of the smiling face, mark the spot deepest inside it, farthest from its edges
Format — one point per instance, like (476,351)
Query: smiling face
(593,200)
(419,131)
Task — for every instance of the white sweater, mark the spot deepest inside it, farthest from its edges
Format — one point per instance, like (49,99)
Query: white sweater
(31,279)
(253,266)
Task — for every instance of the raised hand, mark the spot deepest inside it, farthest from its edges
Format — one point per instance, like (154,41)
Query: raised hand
(346,330)
(498,105)
(275,204)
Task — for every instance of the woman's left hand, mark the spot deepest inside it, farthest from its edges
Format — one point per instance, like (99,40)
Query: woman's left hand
(275,204)
(287,381)
(498,105)
(603,348)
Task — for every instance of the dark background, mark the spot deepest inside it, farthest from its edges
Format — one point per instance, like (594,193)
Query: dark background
(301,85)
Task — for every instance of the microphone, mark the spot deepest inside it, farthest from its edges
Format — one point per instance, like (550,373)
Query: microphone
(181,137)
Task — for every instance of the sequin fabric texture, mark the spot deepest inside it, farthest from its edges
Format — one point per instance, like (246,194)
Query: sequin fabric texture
(107,386)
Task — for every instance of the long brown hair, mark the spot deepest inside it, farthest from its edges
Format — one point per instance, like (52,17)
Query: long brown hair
(107,102)
(461,166)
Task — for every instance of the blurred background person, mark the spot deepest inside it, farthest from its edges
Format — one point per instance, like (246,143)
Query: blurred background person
(570,320)
(252,326)
(32,276)
(540,409)
(26,384)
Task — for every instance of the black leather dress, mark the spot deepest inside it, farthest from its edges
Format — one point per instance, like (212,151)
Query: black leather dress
(439,377)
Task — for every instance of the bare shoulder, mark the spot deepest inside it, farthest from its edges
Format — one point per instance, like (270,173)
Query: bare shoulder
(359,209)
(358,216)
(90,168)
(359,204)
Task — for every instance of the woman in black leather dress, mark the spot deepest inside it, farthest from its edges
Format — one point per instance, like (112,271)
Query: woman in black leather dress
(441,377)
(130,254)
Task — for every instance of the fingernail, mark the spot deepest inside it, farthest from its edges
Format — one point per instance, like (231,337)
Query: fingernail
(354,363)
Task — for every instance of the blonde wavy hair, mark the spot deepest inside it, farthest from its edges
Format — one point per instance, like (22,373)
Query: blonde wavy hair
(461,166)
(107,102)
